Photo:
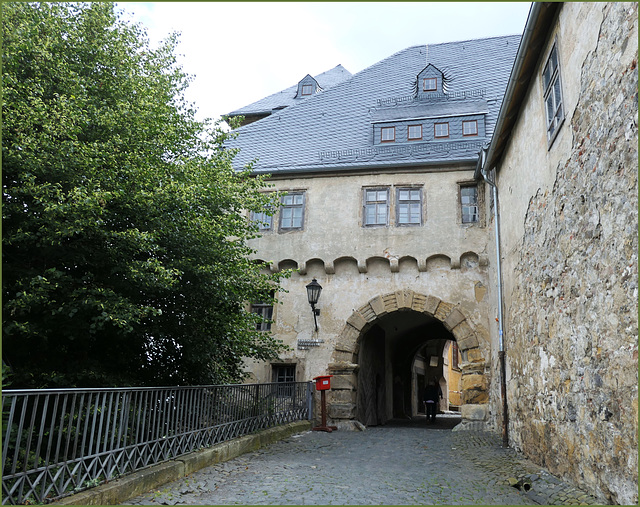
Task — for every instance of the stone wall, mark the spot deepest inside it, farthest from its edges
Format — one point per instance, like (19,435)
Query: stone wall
(572,276)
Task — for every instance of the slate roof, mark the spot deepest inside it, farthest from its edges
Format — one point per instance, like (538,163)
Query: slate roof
(333,130)
(287,97)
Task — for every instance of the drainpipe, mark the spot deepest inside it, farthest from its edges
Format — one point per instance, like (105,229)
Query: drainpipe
(501,354)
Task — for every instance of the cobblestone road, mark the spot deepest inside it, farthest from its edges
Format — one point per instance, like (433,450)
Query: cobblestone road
(410,463)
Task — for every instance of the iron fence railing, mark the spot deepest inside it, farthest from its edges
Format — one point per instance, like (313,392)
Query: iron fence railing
(60,441)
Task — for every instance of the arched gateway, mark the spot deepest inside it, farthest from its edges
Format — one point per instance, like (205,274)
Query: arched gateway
(344,398)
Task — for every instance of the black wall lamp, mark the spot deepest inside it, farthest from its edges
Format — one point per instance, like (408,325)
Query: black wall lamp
(313,294)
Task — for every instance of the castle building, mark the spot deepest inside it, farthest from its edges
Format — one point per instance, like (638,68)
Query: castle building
(481,195)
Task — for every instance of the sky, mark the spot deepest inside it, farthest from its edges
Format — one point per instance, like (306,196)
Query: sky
(240,52)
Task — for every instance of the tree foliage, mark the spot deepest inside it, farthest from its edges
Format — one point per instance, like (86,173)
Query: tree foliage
(125,258)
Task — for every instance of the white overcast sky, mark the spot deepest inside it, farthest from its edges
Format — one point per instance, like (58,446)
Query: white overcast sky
(240,52)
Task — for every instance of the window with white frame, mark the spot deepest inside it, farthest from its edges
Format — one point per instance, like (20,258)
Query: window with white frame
(552,94)
(430,84)
(470,128)
(414,132)
(441,130)
(376,206)
(387,134)
(292,211)
(307,89)
(409,206)
(469,204)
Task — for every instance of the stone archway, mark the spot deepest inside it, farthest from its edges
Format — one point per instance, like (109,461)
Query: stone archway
(342,398)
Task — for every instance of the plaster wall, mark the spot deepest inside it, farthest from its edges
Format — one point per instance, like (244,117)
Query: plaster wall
(569,239)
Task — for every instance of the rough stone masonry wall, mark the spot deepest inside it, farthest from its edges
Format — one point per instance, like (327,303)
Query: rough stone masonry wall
(573,333)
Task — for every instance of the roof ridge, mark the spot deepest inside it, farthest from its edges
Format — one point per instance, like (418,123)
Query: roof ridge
(475,40)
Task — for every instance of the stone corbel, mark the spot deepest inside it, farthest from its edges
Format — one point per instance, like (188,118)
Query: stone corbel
(329,268)
(302,268)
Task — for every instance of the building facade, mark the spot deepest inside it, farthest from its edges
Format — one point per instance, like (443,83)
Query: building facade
(382,208)
(393,181)
(565,162)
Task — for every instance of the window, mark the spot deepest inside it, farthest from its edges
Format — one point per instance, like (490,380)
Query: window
(409,207)
(284,373)
(430,84)
(414,132)
(263,219)
(470,128)
(376,206)
(292,211)
(455,359)
(265,311)
(552,95)
(387,134)
(469,204)
(441,130)
(307,89)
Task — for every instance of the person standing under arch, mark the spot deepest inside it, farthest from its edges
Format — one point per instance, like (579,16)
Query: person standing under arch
(432,395)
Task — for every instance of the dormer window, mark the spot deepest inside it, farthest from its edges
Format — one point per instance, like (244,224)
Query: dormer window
(430,81)
(470,128)
(387,134)
(307,86)
(414,133)
(430,84)
(441,130)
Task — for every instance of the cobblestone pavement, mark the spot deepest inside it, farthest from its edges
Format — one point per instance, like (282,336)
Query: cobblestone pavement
(402,463)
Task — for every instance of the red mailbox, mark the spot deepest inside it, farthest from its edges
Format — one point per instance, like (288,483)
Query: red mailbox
(323,382)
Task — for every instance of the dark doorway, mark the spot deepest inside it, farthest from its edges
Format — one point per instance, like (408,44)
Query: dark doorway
(389,383)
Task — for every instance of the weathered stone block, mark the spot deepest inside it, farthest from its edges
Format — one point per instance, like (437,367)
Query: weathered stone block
(453,319)
(346,347)
(342,396)
(431,305)
(357,321)
(390,302)
(341,356)
(468,342)
(377,304)
(341,410)
(469,368)
(474,381)
(474,412)
(461,330)
(404,298)
(474,355)
(342,368)
(348,382)
(472,396)
(443,310)
(367,312)
(349,335)
(418,303)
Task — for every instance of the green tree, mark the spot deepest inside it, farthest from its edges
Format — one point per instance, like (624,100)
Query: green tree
(125,258)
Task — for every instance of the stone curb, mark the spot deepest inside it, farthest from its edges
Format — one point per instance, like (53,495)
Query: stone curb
(142,481)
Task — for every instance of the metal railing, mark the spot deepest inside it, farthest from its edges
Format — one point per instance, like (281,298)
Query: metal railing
(61,441)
